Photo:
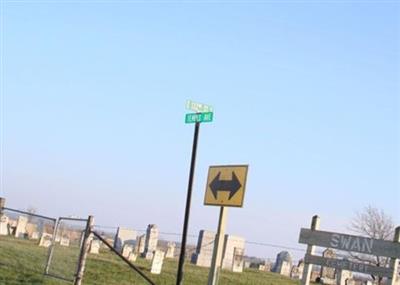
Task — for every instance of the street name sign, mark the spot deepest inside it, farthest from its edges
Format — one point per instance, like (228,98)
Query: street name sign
(198,107)
(199,118)
(345,264)
(350,243)
(226,185)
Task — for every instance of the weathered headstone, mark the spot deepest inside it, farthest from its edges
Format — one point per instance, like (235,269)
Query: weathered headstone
(35,235)
(151,241)
(344,277)
(283,263)
(170,250)
(230,243)
(94,246)
(4,228)
(45,240)
(297,270)
(157,262)
(126,250)
(30,229)
(238,260)
(140,242)
(327,272)
(20,230)
(64,241)
(204,250)
(132,256)
(124,236)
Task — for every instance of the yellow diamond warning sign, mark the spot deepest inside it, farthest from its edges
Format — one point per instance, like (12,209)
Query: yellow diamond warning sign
(226,185)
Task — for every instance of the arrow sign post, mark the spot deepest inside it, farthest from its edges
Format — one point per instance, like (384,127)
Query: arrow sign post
(225,188)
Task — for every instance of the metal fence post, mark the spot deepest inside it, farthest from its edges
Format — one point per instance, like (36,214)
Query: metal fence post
(310,250)
(84,251)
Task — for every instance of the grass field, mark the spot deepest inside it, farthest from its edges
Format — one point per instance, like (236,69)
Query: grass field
(23,262)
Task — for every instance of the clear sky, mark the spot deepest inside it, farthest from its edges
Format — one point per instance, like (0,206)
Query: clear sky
(306,93)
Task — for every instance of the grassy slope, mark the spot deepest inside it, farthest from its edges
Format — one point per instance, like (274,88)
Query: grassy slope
(22,262)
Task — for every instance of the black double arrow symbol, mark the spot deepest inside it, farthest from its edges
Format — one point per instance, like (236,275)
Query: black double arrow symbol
(231,186)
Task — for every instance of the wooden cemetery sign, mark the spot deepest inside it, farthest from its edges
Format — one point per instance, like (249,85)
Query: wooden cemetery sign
(314,237)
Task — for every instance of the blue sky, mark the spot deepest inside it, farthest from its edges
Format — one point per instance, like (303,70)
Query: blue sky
(306,93)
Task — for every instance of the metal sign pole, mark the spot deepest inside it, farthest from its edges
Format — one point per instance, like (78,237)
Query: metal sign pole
(179,277)
(218,246)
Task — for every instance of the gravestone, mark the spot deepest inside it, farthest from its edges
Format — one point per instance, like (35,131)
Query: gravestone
(126,250)
(151,241)
(238,260)
(327,272)
(247,264)
(157,262)
(20,230)
(140,242)
(30,229)
(64,241)
(45,240)
(4,228)
(261,267)
(283,263)
(35,235)
(344,277)
(95,246)
(124,236)
(297,270)
(204,250)
(132,256)
(230,243)
(170,250)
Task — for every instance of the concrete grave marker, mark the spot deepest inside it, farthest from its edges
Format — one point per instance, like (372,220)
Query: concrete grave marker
(170,250)
(45,240)
(204,250)
(20,230)
(124,236)
(126,250)
(4,228)
(238,260)
(140,243)
(283,263)
(157,262)
(230,243)
(64,241)
(94,246)
(152,234)
(132,256)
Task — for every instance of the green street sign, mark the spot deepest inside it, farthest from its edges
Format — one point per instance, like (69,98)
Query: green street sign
(199,117)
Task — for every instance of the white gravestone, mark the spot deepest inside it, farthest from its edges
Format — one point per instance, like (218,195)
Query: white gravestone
(45,240)
(64,241)
(35,235)
(151,241)
(140,242)
(132,256)
(157,262)
(4,231)
(95,246)
(126,250)
(124,236)
(230,243)
(170,250)
(238,260)
(204,250)
(20,230)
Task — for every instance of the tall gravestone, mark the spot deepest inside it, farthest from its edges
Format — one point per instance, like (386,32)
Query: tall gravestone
(297,270)
(151,242)
(238,260)
(4,228)
(140,243)
(283,263)
(157,262)
(230,243)
(94,246)
(204,250)
(124,236)
(126,250)
(20,229)
(45,240)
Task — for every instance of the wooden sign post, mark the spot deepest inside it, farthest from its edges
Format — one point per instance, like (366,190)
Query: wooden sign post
(376,247)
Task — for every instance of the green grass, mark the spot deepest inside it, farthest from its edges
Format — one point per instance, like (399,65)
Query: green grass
(23,262)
